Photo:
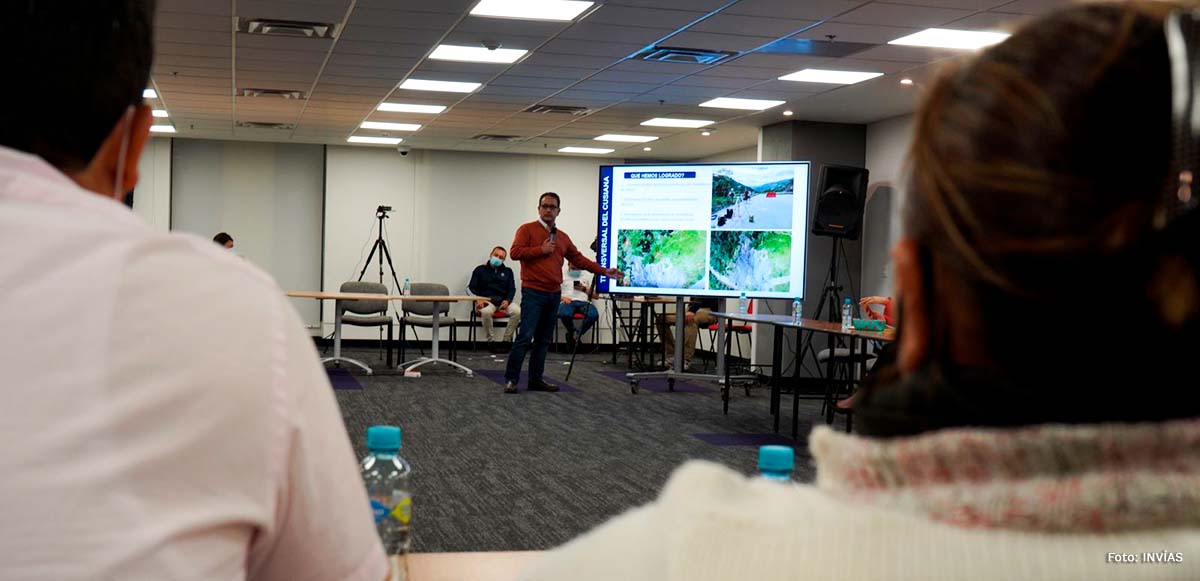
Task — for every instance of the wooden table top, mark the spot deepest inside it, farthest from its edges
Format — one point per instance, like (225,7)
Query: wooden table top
(339,296)
(808,325)
(492,566)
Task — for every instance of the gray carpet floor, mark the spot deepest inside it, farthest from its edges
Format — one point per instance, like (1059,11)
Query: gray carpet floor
(496,472)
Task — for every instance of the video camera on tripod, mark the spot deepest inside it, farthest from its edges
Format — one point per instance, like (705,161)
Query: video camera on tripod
(381,211)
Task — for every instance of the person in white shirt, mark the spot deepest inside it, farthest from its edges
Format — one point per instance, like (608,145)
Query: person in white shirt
(1010,440)
(576,299)
(164,412)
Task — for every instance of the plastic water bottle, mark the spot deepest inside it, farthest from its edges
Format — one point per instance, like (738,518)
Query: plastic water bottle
(847,314)
(386,476)
(797,307)
(407,287)
(776,462)
(743,304)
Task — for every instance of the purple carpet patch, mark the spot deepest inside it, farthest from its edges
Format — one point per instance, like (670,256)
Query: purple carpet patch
(659,384)
(341,379)
(748,440)
(497,375)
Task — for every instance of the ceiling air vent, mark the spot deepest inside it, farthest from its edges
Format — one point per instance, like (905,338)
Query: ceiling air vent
(501,138)
(691,56)
(281,93)
(559,110)
(265,125)
(291,28)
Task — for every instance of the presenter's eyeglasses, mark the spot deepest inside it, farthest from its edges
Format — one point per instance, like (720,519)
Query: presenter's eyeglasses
(548,207)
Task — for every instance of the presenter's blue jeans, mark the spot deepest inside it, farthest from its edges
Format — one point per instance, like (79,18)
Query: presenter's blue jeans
(566,314)
(538,310)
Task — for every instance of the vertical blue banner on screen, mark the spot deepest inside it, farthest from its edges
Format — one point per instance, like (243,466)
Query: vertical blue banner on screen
(606,179)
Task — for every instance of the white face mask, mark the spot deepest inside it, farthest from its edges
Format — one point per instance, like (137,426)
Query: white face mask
(126,121)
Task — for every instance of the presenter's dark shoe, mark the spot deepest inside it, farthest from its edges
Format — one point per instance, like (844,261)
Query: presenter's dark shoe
(510,387)
(542,386)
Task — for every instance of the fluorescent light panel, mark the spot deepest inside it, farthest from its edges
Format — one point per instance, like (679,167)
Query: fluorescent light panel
(559,10)
(747,104)
(159,113)
(586,150)
(411,108)
(626,138)
(162,129)
(672,122)
(389,126)
(442,86)
(374,140)
(831,77)
(476,54)
(949,38)
(149,94)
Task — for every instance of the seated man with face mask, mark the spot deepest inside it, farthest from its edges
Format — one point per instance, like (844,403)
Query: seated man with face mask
(495,281)
(576,298)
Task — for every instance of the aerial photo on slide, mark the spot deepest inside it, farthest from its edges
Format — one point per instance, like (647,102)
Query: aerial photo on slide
(751,261)
(662,258)
(754,196)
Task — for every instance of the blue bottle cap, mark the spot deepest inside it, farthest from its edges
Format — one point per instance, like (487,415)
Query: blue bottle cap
(776,458)
(847,301)
(383,438)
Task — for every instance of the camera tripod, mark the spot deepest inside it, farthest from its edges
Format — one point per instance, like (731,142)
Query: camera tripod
(380,246)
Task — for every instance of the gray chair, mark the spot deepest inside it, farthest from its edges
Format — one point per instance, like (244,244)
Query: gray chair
(367,313)
(416,314)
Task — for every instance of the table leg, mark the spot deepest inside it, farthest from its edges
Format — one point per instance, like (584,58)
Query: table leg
(796,389)
(723,365)
(777,355)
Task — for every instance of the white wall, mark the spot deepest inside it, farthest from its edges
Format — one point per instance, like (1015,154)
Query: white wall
(745,154)
(451,208)
(152,196)
(887,150)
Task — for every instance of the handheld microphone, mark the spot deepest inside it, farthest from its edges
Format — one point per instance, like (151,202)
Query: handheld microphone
(553,233)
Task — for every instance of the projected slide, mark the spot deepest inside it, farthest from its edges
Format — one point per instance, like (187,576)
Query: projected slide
(705,230)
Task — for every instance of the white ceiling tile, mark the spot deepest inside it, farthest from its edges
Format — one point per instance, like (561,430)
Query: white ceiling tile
(960,4)
(360,32)
(882,13)
(546,58)
(381,49)
(633,77)
(194,7)
(751,25)
(283,56)
(175,60)
(909,54)
(864,33)
(648,17)
(600,32)
(706,40)
(522,81)
(193,21)
(615,86)
(612,50)
(729,83)
(570,73)
(327,12)
(1032,6)
(501,27)
(205,37)
(806,10)
(387,17)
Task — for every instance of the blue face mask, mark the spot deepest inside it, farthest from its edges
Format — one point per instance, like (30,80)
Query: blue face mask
(495,261)
(574,273)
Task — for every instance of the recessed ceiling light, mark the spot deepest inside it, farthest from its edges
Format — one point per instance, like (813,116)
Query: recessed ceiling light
(585,150)
(159,112)
(626,138)
(561,10)
(411,108)
(375,140)
(906,81)
(672,122)
(162,129)
(476,54)
(787,113)
(706,133)
(149,94)
(747,104)
(832,77)
(443,86)
(647,148)
(948,38)
(390,126)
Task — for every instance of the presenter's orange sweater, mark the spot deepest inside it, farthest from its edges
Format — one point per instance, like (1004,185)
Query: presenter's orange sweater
(544,271)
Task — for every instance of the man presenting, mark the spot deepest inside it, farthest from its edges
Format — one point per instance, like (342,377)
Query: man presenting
(495,281)
(540,247)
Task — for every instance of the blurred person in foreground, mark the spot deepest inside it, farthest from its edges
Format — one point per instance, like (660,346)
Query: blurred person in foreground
(165,413)
(1012,440)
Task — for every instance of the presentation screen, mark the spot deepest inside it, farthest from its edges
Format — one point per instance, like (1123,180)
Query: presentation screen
(713,230)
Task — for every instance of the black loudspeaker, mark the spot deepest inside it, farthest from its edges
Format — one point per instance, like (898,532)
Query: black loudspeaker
(840,205)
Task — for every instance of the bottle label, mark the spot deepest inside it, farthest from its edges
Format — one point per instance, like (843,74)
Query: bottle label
(401,508)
